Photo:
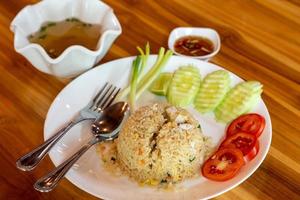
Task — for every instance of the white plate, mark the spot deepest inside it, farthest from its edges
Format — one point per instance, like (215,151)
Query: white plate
(89,175)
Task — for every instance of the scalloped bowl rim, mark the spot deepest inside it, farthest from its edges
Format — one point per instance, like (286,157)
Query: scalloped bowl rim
(58,59)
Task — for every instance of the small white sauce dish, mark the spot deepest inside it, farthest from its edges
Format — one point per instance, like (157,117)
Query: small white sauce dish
(208,33)
(75,59)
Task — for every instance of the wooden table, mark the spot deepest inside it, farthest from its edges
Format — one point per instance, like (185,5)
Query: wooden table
(260,40)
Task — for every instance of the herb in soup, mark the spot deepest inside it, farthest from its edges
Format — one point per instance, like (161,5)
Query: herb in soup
(55,37)
(193,46)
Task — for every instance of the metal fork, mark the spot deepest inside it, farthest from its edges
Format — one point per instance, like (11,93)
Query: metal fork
(91,111)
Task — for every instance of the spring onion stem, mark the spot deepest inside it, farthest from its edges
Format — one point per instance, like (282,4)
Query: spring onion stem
(133,86)
(123,94)
(145,57)
(152,70)
(158,66)
(143,82)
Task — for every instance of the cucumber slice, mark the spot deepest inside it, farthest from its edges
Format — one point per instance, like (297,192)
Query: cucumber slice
(161,84)
(184,86)
(212,90)
(239,100)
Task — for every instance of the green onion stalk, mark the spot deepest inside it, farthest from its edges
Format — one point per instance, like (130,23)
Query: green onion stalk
(140,83)
(148,79)
(136,66)
(144,57)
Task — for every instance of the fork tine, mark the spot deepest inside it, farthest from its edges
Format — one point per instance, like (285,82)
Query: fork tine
(112,98)
(101,97)
(99,93)
(107,97)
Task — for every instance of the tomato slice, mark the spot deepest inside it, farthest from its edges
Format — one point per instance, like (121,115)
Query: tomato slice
(253,152)
(242,141)
(249,123)
(223,165)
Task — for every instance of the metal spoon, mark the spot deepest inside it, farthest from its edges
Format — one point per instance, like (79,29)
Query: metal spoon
(105,128)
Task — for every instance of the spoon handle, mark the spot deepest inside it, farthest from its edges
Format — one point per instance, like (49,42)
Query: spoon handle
(49,181)
(30,160)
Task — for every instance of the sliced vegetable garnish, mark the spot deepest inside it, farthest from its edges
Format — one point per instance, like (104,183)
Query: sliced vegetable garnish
(242,141)
(239,100)
(223,165)
(184,86)
(212,90)
(161,84)
(249,123)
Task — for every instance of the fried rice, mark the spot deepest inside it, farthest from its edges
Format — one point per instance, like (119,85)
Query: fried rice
(160,143)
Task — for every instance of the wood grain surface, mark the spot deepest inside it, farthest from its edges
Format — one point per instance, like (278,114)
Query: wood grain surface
(260,40)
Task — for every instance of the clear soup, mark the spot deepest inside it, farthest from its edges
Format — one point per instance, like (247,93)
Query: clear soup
(55,37)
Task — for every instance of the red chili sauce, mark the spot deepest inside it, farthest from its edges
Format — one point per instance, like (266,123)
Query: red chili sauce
(193,46)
